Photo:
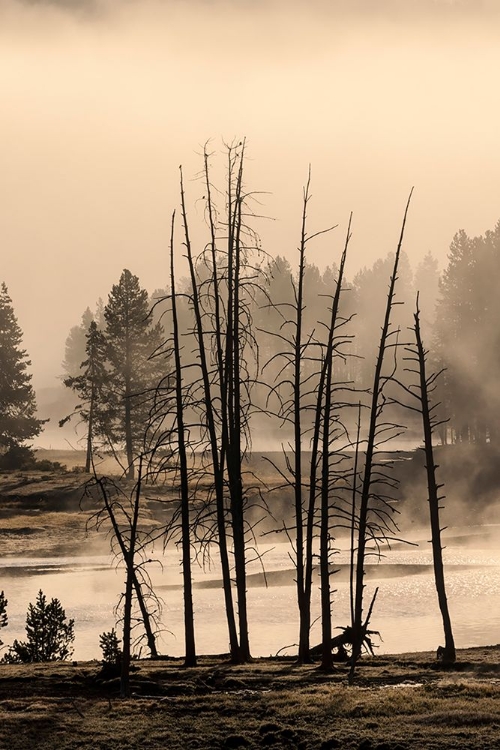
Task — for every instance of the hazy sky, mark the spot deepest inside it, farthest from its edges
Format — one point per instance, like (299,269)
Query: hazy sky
(101,101)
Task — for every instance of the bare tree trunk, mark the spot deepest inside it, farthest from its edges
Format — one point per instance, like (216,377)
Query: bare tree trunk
(352,557)
(449,654)
(375,409)
(190,658)
(304,604)
(233,369)
(90,428)
(327,378)
(128,413)
(217,462)
(127,609)
(146,618)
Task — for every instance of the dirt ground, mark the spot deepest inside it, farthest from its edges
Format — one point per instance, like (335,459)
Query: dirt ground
(401,702)
(47,514)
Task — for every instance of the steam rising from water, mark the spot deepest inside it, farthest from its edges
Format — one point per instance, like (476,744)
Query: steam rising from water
(407,613)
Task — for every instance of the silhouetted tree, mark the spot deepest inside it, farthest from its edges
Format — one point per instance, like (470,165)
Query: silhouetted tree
(121,511)
(92,386)
(76,341)
(132,339)
(426,283)
(467,337)
(49,634)
(18,422)
(422,392)
(375,509)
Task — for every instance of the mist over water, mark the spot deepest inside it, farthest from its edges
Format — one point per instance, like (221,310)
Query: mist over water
(406,613)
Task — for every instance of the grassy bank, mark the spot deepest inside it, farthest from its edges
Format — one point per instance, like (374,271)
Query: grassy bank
(399,702)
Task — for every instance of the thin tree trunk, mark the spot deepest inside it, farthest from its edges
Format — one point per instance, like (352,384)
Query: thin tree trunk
(146,618)
(449,654)
(234,414)
(304,604)
(128,413)
(190,658)
(127,609)
(353,518)
(216,462)
(88,458)
(326,616)
(358,634)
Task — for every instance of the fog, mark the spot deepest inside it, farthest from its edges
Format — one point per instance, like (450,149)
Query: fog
(101,101)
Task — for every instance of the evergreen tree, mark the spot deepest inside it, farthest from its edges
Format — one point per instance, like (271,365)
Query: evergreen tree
(49,634)
(467,336)
(74,350)
(133,373)
(91,385)
(17,397)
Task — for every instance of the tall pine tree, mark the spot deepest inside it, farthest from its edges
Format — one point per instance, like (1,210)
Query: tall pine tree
(132,340)
(17,397)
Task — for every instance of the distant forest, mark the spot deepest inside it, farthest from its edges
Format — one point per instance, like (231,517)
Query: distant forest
(460,321)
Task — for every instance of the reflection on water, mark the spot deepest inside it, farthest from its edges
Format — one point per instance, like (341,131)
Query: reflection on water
(406,612)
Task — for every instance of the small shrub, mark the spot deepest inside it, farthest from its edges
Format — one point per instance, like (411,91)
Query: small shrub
(49,634)
(46,465)
(110,647)
(17,457)
(22,457)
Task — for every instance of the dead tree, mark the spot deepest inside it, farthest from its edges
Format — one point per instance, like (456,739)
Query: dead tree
(217,451)
(128,543)
(190,658)
(221,280)
(422,392)
(301,395)
(328,425)
(373,521)
(292,394)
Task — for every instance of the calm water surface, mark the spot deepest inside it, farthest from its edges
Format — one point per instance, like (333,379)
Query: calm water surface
(406,611)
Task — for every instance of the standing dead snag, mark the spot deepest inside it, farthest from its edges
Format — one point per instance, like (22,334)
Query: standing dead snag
(123,515)
(325,400)
(366,529)
(190,659)
(422,392)
(216,451)
(223,278)
(302,395)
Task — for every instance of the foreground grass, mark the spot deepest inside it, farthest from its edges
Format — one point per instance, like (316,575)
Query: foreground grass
(398,703)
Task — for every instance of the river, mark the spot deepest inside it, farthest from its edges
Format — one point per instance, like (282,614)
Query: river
(406,611)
